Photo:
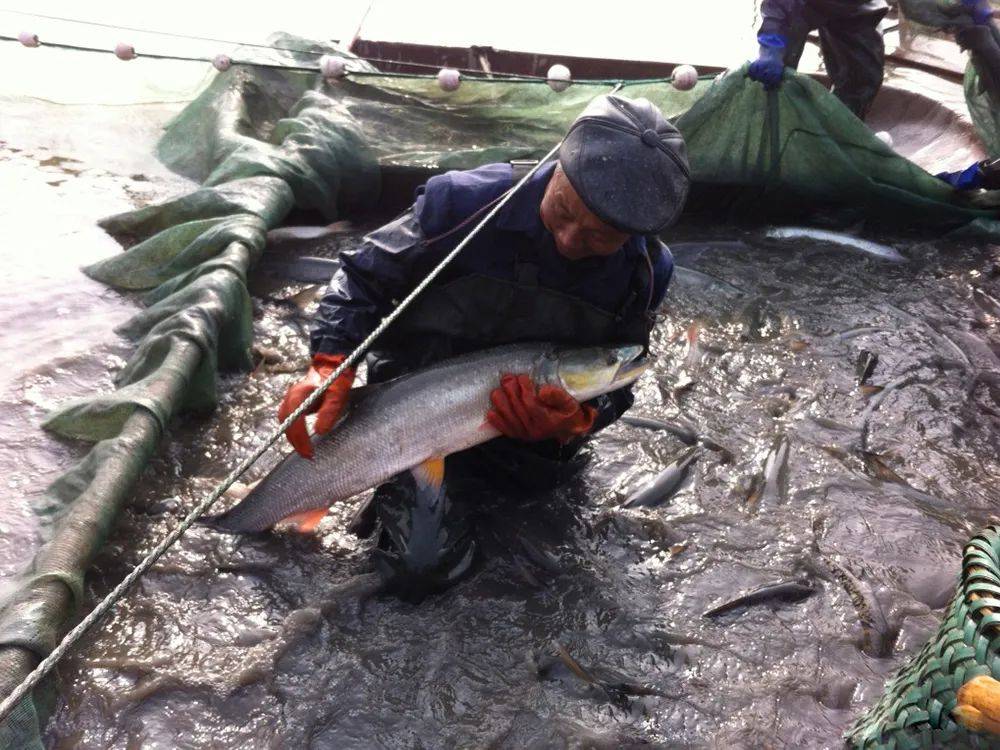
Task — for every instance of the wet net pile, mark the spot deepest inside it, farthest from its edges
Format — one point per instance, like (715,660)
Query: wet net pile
(264,142)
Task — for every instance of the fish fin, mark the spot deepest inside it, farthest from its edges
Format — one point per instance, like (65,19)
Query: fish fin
(306,521)
(430,473)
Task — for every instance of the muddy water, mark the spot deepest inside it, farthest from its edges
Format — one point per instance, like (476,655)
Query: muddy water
(867,495)
(56,340)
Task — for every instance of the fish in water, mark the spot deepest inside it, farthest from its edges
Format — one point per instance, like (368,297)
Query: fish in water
(666,483)
(412,422)
(786,591)
(866,247)
(879,469)
(307,233)
(772,486)
(305,269)
(616,689)
(867,362)
(680,429)
(683,432)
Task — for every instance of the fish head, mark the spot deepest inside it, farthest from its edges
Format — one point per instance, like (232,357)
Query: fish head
(586,373)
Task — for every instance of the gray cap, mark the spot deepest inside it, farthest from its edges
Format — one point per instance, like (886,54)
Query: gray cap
(628,163)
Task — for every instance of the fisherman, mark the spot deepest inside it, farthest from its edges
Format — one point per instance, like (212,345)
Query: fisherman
(573,258)
(972,22)
(850,41)
(976,31)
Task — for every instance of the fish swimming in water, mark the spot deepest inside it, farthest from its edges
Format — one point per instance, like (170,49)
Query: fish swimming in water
(413,422)
(866,247)
(307,233)
(666,483)
(866,364)
(305,269)
(786,591)
(683,432)
(772,485)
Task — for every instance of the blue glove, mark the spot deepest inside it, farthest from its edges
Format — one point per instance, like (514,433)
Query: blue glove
(769,67)
(980,10)
(983,175)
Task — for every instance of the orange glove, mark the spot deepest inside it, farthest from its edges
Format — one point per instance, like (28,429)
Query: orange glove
(522,412)
(329,406)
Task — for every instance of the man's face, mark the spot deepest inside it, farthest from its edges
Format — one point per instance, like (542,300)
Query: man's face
(577,232)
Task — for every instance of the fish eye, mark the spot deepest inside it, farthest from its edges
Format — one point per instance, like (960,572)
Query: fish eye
(612,358)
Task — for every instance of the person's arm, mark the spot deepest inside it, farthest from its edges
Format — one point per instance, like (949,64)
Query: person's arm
(363,289)
(361,292)
(777,17)
(772,38)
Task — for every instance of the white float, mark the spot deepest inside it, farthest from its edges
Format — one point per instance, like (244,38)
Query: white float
(684,77)
(559,77)
(449,79)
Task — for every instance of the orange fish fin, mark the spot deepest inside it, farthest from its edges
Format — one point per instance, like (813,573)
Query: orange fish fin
(306,521)
(430,473)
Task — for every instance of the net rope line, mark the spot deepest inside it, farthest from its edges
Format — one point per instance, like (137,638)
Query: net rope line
(271,47)
(480,75)
(161,33)
(48,663)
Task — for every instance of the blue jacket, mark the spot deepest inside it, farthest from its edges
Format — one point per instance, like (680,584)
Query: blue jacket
(395,258)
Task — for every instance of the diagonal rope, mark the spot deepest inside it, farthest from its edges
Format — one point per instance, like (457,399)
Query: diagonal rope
(49,662)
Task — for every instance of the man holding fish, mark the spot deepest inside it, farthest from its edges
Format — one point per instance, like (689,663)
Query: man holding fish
(571,260)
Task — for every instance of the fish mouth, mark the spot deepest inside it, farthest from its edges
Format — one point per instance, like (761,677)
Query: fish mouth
(632,365)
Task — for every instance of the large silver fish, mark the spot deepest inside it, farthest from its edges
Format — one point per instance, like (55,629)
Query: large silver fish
(414,421)
(866,247)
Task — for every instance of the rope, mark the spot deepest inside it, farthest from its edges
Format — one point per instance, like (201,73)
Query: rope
(163,33)
(47,664)
(480,75)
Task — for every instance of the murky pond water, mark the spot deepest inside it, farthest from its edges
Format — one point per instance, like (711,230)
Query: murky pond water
(864,493)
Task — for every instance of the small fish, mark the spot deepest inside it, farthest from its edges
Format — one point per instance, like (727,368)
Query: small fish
(871,390)
(666,483)
(682,430)
(572,664)
(866,247)
(772,486)
(678,429)
(878,633)
(293,234)
(306,269)
(832,424)
(866,364)
(617,692)
(694,353)
(878,468)
(987,302)
(786,591)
